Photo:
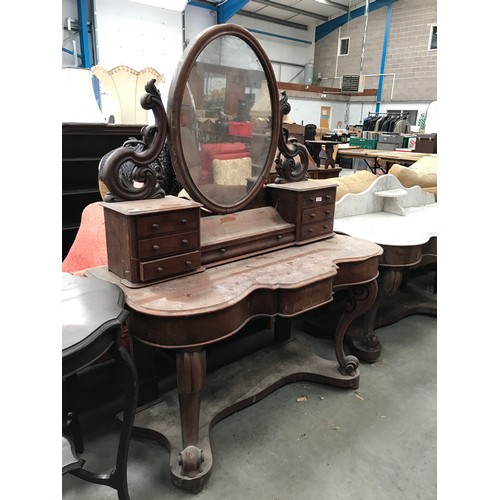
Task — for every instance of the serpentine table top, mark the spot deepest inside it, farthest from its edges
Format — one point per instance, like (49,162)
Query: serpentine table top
(189,312)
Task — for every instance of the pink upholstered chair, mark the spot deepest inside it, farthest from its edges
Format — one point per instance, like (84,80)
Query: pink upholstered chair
(89,248)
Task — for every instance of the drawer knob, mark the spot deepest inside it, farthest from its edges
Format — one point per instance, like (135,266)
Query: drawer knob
(312,216)
(312,198)
(279,236)
(327,212)
(222,250)
(310,230)
(156,247)
(184,241)
(188,262)
(154,226)
(326,226)
(328,196)
(159,269)
(184,221)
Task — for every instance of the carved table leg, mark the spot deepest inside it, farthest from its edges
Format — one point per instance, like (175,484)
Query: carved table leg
(361,300)
(191,377)
(368,347)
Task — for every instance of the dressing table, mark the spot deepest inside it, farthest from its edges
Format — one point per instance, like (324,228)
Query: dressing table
(195,271)
(403,221)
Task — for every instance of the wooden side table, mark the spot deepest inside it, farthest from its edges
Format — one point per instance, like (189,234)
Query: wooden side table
(92,316)
(331,149)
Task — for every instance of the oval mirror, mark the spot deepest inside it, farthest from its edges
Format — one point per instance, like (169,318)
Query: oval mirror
(224,118)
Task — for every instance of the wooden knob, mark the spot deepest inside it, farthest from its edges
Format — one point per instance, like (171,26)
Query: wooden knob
(156,247)
(159,269)
(154,226)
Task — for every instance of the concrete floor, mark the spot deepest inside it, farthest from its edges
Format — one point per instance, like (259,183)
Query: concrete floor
(377,442)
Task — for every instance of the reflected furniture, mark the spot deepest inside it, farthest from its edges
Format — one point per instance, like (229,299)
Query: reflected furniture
(196,270)
(92,316)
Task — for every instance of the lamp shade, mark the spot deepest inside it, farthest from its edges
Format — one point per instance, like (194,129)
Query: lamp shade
(79,104)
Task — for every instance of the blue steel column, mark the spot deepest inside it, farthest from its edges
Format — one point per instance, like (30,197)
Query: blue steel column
(384,55)
(84,35)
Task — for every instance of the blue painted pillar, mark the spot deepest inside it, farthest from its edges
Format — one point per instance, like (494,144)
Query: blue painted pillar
(384,55)
(84,35)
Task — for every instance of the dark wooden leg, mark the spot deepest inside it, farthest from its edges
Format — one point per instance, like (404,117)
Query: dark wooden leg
(329,161)
(361,300)
(315,150)
(282,330)
(368,347)
(117,479)
(191,378)
(71,417)
(144,358)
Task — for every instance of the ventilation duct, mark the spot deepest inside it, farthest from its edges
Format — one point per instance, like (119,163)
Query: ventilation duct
(353,83)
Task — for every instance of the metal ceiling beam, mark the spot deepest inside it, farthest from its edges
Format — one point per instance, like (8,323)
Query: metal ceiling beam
(334,4)
(269,19)
(330,26)
(269,3)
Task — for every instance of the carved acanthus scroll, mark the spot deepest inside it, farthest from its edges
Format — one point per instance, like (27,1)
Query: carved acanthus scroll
(288,169)
(142,181)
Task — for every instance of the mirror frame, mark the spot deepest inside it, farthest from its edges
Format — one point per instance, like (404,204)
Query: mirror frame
(174,104)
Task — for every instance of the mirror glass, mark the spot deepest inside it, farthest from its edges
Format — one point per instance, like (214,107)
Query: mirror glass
(225,120)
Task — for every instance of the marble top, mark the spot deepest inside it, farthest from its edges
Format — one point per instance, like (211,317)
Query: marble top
(388,214)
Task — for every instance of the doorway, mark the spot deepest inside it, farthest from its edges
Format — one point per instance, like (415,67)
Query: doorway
(324,119)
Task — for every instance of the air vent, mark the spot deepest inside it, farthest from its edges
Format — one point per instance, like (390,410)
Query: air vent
(353,83)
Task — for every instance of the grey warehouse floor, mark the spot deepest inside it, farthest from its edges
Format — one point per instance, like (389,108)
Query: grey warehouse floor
(377,442)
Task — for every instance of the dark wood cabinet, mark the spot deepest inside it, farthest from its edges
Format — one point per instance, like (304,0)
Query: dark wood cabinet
(310,205)
(152,240)
(83,146)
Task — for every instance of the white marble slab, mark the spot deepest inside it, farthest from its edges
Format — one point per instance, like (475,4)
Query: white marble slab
(373,200)
(415,228)
(388,214)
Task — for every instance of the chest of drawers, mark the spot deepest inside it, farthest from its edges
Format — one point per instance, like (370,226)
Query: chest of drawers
(152,240)
(310,205)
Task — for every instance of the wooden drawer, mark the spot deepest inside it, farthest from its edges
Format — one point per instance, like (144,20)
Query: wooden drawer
(317,197)
(316,229)
(169,266)
(149,240)
(319,213)
(168,245)
(170,222)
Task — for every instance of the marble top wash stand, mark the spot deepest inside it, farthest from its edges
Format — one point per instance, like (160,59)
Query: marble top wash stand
(403,221)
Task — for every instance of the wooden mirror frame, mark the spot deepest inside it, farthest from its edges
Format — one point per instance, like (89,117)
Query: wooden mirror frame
(174,105)
(141,180)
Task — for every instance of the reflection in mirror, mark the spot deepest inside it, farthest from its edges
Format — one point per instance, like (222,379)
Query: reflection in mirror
(225,121)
